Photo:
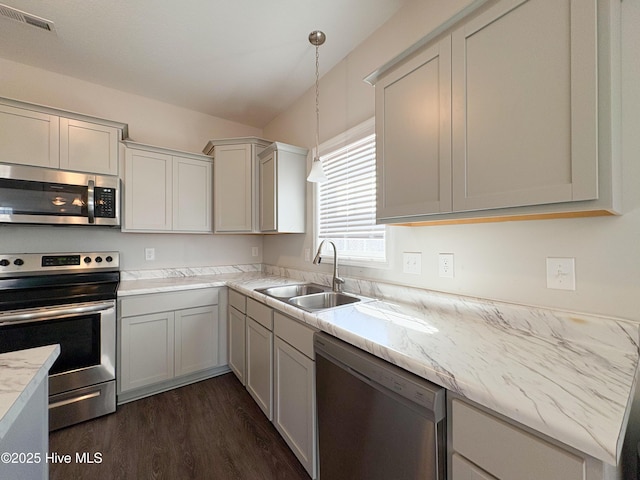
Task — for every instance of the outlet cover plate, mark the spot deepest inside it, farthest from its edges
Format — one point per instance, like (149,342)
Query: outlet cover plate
(149,254)
(445,265)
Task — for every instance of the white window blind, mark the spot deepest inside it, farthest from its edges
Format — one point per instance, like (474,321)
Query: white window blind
(347,201)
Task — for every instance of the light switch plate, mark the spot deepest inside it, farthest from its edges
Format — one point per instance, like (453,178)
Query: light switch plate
(561,273)
(412,262)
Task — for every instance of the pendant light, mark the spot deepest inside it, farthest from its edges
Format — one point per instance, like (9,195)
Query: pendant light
(316,175)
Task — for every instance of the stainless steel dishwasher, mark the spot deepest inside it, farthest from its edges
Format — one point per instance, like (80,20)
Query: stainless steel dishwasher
(375,420)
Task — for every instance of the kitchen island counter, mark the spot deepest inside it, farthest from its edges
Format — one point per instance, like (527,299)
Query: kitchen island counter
(21,373)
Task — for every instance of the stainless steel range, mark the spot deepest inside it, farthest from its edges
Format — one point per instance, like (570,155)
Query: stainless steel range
(69,299)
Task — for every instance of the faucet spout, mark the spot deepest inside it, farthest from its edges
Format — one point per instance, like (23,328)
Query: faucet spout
(337,282)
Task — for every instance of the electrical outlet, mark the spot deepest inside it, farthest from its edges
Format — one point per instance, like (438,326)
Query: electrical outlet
(445,265)
(149,254)
(561,273)
(412,262)
(254,251)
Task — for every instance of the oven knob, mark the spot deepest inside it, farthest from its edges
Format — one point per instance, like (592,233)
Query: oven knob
(98,259)
(18,262)
(87,259)
(109,259)
(4,262)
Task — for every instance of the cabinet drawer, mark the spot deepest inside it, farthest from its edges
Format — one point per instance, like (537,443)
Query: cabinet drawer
(167,301)
(505,451)
(238,301)
(294,333)
(260,313)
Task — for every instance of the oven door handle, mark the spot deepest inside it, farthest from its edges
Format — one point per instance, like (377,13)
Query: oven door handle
(48,313)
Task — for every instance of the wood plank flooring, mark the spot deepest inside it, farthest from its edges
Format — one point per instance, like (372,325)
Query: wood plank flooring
(209,430)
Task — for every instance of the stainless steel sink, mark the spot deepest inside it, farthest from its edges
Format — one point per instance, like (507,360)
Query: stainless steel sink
(322,301)
(288,291)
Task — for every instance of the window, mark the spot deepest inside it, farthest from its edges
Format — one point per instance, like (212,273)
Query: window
(346,203)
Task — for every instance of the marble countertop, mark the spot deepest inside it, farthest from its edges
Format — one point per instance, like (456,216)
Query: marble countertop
(569,376)
(20,374)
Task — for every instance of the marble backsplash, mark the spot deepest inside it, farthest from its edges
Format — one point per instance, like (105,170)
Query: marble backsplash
(542,322)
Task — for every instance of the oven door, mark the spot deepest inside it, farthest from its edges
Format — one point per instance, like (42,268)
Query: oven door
(86,334)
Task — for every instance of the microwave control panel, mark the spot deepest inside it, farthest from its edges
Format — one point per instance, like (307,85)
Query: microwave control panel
(105,202)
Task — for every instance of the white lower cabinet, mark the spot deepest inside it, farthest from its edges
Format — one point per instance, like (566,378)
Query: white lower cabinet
(146,350)
(167,340)
(259,366)
(237,341)
(195,339)
(294,390)
(462,469)
(260,355)
(487,446)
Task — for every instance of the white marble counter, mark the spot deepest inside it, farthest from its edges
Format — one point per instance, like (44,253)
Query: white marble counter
(20,374)
(569,376)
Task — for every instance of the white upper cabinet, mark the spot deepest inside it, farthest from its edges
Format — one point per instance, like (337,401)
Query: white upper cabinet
(259,186)
(192,194)
(413,136)
(509,111)
(45,137)
(235,187)
(88,147)
(235,183)
(28,137)
(166,190)
(525,105)
(282,188)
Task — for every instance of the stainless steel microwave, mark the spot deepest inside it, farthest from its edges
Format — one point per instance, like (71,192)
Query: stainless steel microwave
(50,196)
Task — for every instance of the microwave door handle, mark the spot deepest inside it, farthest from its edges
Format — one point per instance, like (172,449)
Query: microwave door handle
(91,206)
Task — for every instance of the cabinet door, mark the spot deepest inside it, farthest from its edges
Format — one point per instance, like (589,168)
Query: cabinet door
(147,348)
(506,451)
(148,186)
(88,147)
(461,469)
(413,136)
(233,179)
(237,343)
(191,195)
(269,193)
(294,405)
(525,105)
(28,138)
(196,339)
(259,365)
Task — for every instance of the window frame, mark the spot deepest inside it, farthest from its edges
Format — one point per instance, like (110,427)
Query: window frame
(341,140)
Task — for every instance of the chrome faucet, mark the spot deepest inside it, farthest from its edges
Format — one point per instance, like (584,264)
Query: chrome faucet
(337,282)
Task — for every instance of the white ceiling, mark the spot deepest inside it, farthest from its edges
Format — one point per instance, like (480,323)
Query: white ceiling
(242,60)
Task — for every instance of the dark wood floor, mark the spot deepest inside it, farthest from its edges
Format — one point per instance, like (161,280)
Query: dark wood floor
(209,430)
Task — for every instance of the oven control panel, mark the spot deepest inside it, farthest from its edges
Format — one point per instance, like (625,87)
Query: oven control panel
(39,263)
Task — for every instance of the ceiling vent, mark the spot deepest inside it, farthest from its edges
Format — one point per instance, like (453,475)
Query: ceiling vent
(27,18)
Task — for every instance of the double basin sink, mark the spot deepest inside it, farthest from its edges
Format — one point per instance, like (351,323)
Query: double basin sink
(309,296)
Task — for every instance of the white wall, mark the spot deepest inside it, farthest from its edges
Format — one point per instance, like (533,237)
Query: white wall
(504,261)
(150,122)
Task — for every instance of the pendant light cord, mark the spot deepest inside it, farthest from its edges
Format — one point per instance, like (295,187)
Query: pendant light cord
(317,155)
